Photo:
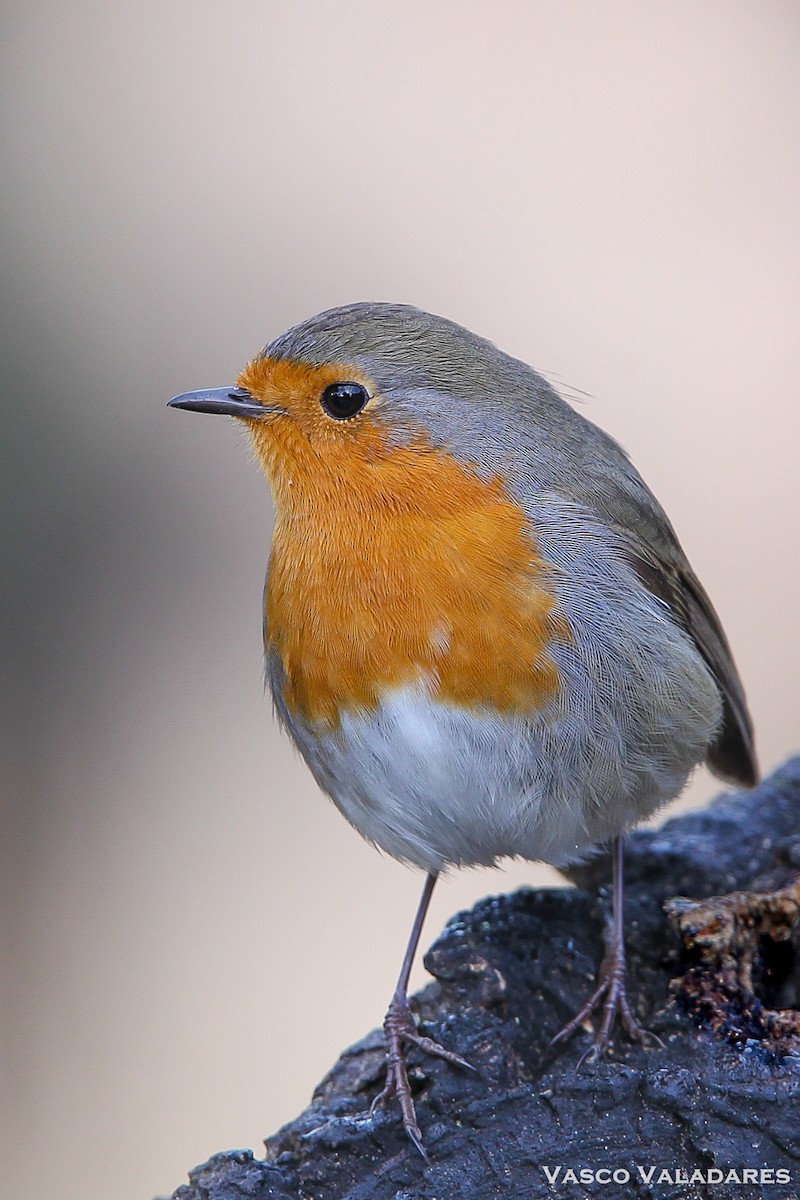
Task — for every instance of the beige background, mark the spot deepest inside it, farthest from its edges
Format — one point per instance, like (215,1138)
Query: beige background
(609,190)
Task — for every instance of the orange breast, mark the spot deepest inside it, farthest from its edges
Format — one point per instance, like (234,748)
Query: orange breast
(396,565)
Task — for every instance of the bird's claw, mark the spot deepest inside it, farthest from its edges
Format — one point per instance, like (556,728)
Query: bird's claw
(399,1030)
(612,992)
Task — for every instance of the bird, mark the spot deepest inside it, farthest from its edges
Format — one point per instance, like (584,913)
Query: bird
(480,629)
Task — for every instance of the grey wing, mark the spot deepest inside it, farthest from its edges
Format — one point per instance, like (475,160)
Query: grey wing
(732,755)
(656,555)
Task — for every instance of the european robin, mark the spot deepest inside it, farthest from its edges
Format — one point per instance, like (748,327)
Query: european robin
(481,631)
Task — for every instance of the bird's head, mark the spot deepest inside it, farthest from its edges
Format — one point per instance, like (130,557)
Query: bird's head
(362,388)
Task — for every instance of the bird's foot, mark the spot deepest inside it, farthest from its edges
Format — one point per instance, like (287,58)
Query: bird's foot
(611,997)
(399,1030)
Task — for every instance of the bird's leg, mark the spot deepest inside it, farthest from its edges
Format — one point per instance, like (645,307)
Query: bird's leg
(400,1028)
(612,990)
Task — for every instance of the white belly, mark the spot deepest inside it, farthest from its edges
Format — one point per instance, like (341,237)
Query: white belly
(434,784)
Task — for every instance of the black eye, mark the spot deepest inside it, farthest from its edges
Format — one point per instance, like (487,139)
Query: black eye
(344,400)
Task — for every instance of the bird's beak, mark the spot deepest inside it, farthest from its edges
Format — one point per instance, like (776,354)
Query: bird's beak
(229,402)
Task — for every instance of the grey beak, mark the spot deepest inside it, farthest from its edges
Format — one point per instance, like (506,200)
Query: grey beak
(229,402)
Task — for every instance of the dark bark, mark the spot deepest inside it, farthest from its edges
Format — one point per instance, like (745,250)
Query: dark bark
(722,1094)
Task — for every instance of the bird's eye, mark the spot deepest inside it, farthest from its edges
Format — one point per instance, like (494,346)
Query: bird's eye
(344,400)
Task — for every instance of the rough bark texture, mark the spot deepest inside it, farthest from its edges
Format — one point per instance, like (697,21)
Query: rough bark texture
(718,983)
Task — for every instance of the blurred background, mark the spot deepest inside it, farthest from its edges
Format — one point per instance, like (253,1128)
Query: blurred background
(609,191)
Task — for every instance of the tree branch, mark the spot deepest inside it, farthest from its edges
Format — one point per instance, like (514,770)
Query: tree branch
(722,1096)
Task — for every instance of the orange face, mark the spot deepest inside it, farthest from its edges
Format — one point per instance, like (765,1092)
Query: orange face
(392,564)
(305,430)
